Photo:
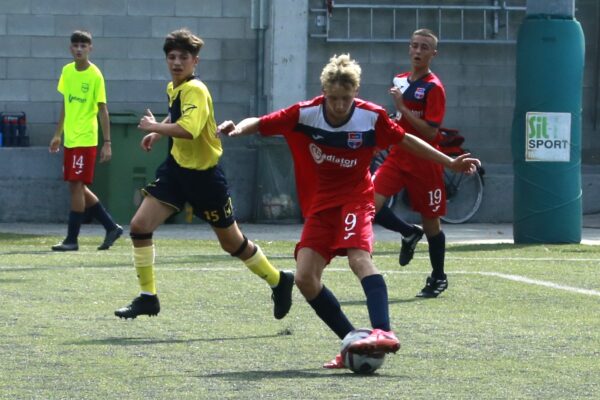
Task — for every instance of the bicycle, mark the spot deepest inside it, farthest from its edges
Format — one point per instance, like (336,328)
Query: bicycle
(464,193)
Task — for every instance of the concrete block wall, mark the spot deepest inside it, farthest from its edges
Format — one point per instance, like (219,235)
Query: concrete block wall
(479,78)
(497,202)
(128,38)
(32,188)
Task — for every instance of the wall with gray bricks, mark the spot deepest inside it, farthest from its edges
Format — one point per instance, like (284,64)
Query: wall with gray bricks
(479,78)
(128,37)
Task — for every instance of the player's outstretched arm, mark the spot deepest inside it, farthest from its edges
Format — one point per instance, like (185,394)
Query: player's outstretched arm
(247,126)
(149,124)
(465,164)
(419,147)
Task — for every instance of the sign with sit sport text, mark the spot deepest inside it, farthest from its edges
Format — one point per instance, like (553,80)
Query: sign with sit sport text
(548,136)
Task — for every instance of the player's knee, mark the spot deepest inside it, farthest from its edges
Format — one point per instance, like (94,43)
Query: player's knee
(139,226)
(362,266)
(236,249)
(308,284)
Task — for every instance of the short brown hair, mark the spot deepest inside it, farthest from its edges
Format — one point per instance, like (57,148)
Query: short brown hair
(183,39)
(80,36)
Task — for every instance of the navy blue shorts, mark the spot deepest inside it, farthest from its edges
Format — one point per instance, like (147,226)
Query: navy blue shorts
(206,191)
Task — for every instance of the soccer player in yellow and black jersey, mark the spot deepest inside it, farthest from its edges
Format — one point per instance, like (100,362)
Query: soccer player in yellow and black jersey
(191,174)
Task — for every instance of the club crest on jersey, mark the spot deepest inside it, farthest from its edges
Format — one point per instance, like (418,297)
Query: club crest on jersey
(355,139)
(85,87)
(419,93)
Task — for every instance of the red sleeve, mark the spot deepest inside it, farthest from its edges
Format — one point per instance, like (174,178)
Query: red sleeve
(435,108)
(387,132)
(279,122)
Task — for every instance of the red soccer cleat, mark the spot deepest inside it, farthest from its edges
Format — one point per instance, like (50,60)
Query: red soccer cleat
(379,341)
(336,363)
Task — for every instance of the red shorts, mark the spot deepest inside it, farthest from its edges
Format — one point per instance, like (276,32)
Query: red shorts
(425,188)
(79,164)
(333,231)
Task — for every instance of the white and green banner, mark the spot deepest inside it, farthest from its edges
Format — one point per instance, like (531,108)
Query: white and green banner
(548,136)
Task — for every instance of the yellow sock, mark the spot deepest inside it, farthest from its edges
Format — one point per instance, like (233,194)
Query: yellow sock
(143,260)
(259,264)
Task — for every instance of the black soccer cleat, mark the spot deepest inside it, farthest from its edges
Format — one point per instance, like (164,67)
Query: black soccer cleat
(144,304)
(409,244)
(111,237)
(433,287)
(282,294)
(64,246)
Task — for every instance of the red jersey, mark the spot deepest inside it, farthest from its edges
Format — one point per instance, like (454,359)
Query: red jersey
(331,163)
(425,98)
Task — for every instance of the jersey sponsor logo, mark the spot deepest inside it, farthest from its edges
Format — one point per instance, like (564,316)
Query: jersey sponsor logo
(75,98)
(420,93)
(320,157)
(85,87)
(355,139)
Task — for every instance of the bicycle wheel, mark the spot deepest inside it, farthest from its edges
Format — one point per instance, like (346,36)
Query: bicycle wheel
(463,196)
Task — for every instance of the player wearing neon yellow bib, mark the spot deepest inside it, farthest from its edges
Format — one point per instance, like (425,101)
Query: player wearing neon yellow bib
(82,91)
(82,86)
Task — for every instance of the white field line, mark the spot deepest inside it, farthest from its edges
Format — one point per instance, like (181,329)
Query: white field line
(450,258)
(523,279)
(510,277)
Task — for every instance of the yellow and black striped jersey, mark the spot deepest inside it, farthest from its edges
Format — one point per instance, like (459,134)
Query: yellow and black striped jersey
(191,107)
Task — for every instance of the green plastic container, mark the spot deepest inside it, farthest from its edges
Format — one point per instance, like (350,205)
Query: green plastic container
(117,183)
(546,131)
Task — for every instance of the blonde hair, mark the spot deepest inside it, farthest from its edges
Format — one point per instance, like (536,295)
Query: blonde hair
(427,33)
(341,70)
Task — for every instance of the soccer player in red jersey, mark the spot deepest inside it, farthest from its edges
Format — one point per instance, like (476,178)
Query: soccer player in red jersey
(420,102)
(332,139)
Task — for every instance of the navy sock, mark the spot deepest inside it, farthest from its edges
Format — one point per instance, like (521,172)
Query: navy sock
(99,212)
(437,254)
(329,310)
(388,219)
(377,301)
(75,220)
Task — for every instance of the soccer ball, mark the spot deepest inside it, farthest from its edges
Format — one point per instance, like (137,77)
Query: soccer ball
(360,363)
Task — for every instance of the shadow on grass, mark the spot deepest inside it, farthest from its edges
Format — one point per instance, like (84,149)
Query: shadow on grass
(14,280)
(34,252)
(28,269)
(17,236)
(488,246)
(136,341)
(468,247)
(293,373)
(390,301)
